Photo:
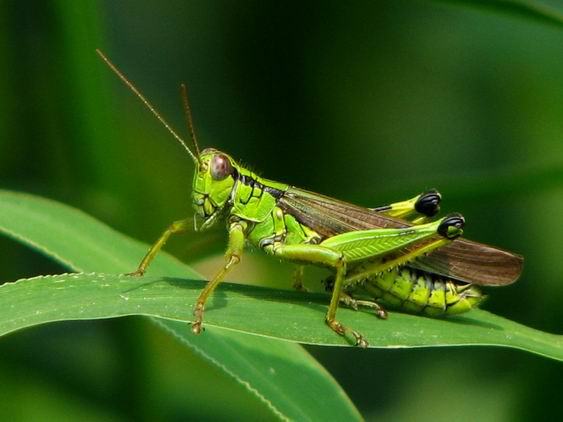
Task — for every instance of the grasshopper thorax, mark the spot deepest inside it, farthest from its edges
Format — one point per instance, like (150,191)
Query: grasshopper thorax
(214,180)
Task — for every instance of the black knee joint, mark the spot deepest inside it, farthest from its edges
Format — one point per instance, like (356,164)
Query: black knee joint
(452,226)
(428,203)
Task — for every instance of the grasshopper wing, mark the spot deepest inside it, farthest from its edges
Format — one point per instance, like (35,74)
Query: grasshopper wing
(463,260)
(473,262)
(328,216)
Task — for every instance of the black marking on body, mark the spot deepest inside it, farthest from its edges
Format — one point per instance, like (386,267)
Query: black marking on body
(245,181)
(276,193)
(255,184)
(382,208)
(235,174)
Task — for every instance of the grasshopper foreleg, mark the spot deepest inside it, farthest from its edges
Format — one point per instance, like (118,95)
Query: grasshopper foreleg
(232,257)
(174,228)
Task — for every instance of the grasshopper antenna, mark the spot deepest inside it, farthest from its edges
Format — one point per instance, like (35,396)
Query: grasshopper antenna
(188,116)
(147,104)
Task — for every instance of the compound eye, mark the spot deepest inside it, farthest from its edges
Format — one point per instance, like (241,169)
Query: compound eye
(220,167)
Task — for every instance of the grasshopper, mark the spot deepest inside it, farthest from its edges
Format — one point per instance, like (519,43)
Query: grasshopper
(393,254)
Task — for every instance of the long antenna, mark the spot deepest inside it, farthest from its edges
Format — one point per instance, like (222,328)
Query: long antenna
(146,103)
(188,116)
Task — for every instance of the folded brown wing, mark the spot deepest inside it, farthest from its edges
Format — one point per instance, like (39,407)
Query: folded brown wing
(463,260)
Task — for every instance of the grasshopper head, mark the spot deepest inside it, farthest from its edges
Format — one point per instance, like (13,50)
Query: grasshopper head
(214,180)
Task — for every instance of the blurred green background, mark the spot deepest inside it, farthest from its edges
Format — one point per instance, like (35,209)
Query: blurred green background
(371,102)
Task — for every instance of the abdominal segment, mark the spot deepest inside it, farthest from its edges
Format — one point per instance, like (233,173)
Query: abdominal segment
(420,293)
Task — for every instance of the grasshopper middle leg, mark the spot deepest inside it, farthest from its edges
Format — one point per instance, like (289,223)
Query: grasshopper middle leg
(355,304)
(298,279)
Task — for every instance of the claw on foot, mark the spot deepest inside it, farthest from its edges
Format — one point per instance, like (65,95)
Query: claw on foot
(197,328)
(137,273)
(360,340)
(381,313)
(198,314)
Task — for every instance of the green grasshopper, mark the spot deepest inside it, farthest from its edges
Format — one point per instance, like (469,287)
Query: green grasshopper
(392,254)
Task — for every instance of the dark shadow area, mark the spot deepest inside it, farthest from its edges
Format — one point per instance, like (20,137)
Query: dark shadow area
(467,320)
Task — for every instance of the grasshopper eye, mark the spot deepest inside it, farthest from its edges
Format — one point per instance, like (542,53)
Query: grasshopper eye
(220,167)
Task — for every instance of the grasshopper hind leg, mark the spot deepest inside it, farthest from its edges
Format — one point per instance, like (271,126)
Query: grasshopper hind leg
(384,245)
(417,210)
(316,254)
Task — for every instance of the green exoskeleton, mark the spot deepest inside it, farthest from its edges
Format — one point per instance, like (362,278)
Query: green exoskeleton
(392,255)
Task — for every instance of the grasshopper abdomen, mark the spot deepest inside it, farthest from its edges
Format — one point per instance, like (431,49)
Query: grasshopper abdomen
(417,292)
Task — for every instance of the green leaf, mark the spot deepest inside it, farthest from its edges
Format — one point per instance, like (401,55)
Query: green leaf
(285,315)
(269,369)
(533,9)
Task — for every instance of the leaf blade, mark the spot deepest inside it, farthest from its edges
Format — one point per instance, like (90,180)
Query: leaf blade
(269,313)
